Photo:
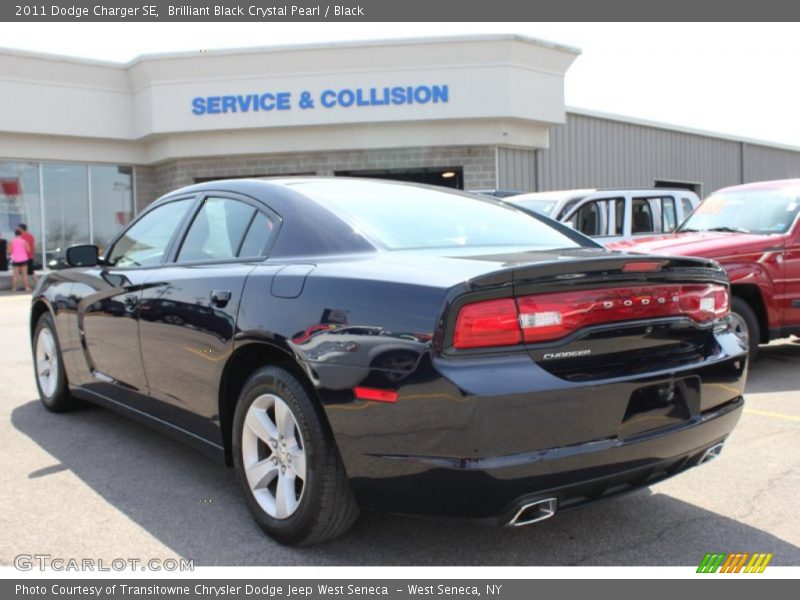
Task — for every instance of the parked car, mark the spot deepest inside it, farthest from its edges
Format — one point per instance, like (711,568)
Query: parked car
(349,343)
(613,214)
(753,230)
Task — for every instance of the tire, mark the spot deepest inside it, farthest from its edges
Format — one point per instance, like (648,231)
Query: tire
(745,323)
(295,505)
(51,379)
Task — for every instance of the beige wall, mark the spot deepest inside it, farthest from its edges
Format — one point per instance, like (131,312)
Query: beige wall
(503,89)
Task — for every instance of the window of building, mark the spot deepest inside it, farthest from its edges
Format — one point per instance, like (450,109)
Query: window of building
(111,201)
(74,204)
(65,190)
(19,202)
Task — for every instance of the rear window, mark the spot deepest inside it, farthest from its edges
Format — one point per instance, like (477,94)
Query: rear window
(542,206)
(399,217)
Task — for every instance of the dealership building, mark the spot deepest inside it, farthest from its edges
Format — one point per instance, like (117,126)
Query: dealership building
(85,145)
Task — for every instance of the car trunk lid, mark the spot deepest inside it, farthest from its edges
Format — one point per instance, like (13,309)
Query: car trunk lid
(585,317)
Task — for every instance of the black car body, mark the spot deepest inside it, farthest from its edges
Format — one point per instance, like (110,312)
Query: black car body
(423,418)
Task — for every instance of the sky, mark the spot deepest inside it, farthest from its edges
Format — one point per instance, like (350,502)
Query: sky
(738,79)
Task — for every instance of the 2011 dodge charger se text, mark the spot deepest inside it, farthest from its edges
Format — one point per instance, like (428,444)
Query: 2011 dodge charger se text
(349,343)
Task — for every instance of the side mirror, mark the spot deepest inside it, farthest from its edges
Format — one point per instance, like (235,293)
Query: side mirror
(82,255)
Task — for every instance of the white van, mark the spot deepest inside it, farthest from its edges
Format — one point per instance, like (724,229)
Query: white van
(613,214)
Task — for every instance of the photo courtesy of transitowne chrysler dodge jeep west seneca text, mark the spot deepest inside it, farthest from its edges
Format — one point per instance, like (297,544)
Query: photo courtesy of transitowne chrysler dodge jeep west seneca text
(350,343)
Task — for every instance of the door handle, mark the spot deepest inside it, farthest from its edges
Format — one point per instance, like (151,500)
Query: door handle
(220,298)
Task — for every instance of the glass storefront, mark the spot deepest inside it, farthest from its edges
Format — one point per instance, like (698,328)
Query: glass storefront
(65,190)
(77,203)
(112,202)
(20,200)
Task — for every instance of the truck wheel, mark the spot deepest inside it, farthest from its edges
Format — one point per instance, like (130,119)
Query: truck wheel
(288,465)
(745,324)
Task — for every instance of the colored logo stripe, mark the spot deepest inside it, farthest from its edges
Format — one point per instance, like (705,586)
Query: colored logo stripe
(711,563)
(734,563)
(758,563)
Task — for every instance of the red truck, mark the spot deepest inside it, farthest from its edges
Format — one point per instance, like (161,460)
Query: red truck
(753,230)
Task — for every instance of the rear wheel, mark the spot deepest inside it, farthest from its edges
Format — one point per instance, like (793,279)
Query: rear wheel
(745,324)
(51,379)
(294,482)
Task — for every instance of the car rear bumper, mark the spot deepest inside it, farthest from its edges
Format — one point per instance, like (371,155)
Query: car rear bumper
(481,441)
(575,475)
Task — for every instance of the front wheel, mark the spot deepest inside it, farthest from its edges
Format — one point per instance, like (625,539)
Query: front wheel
(745,324)
(288,465)
(51,379)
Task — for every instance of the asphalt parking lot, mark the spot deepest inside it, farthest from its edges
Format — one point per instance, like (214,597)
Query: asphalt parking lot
(93,484)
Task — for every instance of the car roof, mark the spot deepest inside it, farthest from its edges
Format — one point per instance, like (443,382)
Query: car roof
(777,184)
(289,183)
(314,228)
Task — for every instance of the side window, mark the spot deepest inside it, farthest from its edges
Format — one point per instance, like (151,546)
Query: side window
(669,218)
(257,236)
(145,242)
(619,216)
(642,216)
(217,230)
(587,219)
(686,203)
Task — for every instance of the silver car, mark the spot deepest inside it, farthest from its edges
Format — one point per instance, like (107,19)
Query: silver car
(613,214)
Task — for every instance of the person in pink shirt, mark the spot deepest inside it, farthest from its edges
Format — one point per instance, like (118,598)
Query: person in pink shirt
(31,249)
(18,252)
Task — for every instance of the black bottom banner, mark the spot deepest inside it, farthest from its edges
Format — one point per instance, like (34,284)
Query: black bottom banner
(369,589)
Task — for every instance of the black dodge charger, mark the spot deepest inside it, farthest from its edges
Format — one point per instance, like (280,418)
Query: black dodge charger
(349,343)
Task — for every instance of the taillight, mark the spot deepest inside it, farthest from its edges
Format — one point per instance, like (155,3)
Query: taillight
(722,302)
(548,317)
(487,323)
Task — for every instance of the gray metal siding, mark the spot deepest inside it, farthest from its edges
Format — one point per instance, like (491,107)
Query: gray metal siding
(763,163)
(595,152)
(516,169)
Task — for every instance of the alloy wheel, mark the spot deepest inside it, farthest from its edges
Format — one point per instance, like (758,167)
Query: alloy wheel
(739,327)
(46,362)
(274,456)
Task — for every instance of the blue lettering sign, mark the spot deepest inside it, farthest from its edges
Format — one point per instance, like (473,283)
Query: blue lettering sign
(328,99)
(332,98)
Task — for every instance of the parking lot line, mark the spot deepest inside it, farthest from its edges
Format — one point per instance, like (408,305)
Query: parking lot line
(774,415)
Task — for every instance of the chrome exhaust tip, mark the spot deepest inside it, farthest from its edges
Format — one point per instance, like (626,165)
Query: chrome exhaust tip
(533,512)
(711,454)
